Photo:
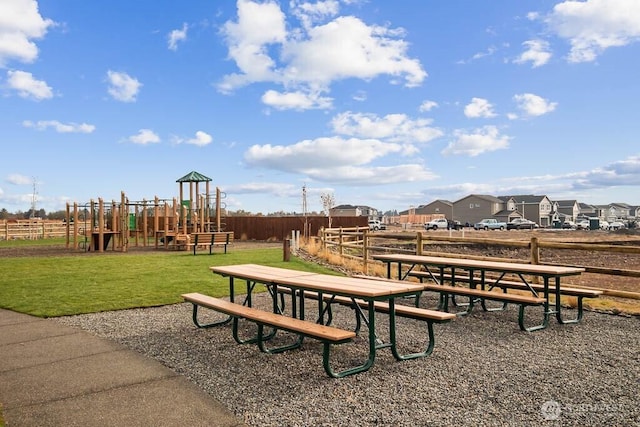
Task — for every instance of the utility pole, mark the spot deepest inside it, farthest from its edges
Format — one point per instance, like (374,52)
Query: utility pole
(304,211)
(34,197)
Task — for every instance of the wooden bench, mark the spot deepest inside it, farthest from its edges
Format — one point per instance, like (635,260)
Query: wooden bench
(211,239)
(410,312)
(578,293)
(407,311)
(328,335)
(478,294)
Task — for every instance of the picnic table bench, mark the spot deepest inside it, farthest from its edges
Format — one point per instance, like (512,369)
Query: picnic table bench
(211,239)
(328,335)
(447,267)
(362,293)
(492,282)
(411,312)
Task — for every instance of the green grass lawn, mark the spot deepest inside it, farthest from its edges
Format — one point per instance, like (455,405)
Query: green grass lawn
(67,285)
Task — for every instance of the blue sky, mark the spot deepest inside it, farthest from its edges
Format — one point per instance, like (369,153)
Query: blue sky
(389,104)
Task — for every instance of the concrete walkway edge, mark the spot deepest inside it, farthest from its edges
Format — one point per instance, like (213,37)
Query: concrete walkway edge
(54,375)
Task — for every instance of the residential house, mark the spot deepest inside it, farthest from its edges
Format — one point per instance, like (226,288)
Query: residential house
(565,210)
(475,207)
(532,207)
(587,211)
(425,213)
(620,211)
(350,210)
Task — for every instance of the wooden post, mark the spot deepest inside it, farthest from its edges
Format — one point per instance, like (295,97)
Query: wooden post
(286,250)
(535,255)
(124,220)
(218,210)
(68,219)
(365,251)
(100,225)
(166,225)
(145,220)
(75,226)
(419,247)
(114,224)
(156,220)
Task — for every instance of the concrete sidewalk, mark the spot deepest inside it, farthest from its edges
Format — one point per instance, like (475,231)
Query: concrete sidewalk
(53,375)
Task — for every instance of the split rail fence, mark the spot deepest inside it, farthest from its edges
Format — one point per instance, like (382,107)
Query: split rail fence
(359,244)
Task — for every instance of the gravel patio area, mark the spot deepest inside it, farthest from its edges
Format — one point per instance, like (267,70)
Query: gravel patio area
(483,371)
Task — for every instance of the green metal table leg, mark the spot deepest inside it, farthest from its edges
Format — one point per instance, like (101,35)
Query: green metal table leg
(559,307)
(207,325)
(372,350)
(547,312)
(262,338)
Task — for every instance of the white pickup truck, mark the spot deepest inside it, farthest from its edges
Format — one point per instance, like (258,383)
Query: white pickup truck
(490,224)
(375,225)
(438,223)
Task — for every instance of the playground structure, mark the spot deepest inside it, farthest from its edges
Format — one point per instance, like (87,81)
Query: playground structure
(166,223)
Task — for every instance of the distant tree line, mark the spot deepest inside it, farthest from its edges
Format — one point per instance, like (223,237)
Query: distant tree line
(39,213)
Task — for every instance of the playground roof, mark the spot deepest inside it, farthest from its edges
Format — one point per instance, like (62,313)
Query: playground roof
(194,176)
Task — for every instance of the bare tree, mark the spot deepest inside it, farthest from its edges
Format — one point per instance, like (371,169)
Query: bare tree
(328,202)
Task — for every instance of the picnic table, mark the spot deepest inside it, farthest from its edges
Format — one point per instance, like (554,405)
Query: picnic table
(366,297)
(441,269)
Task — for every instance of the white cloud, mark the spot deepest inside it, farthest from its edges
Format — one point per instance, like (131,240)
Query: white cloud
(27,86)
(176,36)
(308,13)
(537,53)
(123,87)
(337,160)
(201,139)
(534,105)
(592,26)
(295,100)
(479,108)
(621,173)
(392,127)
(17,179)
(360,96)
(20,24)
(60,127)
(479,141)
(276,188)
(312,57)
(373,176)
(258,26)
(144,137)
(318,153)
(346,48)
(428,106)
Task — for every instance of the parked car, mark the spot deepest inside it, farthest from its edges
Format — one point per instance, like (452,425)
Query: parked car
(617,225)
(583,224)
(438,223)
(375,225)
(604,225)
(569,225)
(490,224)
(521,224)
(455,225)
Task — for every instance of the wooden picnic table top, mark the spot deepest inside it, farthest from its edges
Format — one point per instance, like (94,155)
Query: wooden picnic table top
(501,266)
(262,273)
(336,285)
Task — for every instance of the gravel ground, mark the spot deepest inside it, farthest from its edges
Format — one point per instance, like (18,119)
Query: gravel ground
(483,371)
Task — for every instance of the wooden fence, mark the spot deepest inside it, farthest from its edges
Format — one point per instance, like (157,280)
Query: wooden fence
(31,229)
(261,228)
(360,244)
